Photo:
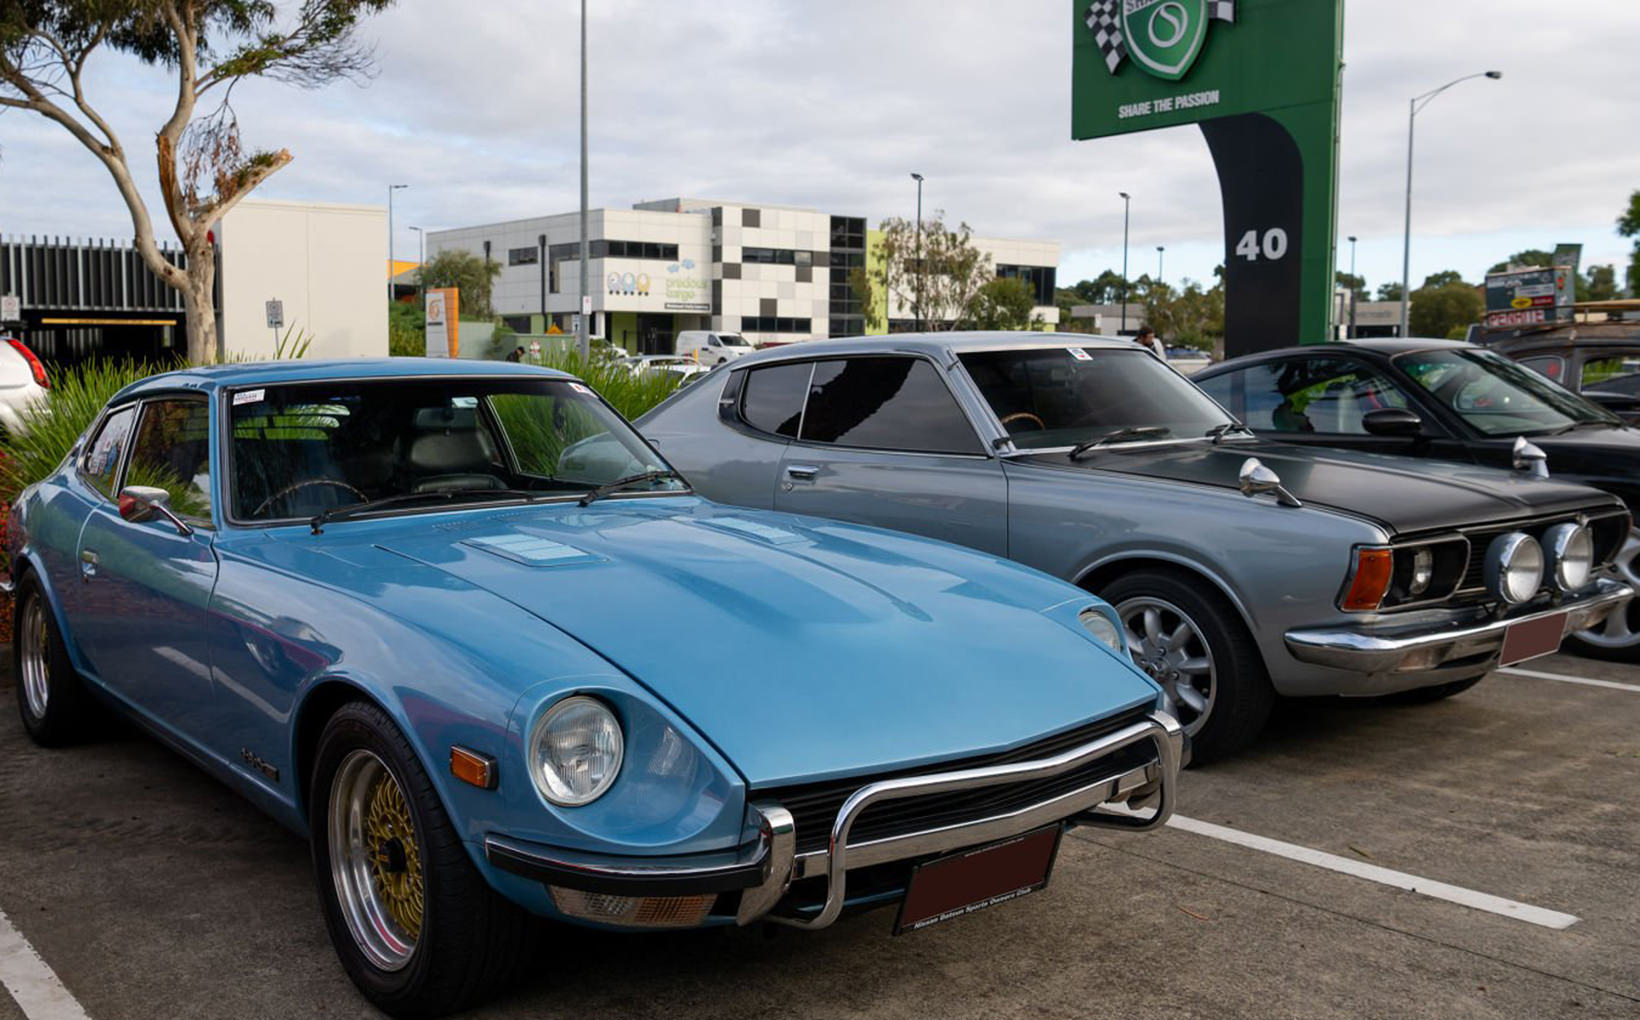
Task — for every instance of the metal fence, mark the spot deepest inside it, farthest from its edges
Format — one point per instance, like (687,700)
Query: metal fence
(61,274)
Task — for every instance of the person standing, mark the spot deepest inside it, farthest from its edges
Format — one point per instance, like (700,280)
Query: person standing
(1146,337)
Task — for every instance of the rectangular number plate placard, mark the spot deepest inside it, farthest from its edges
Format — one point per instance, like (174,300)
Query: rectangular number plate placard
(972,880)
(1532,638)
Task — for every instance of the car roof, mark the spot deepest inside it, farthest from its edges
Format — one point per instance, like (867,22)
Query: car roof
(930,344)
(1387,346)
(211,378)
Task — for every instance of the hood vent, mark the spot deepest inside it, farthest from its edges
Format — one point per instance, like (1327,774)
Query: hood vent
(531,551)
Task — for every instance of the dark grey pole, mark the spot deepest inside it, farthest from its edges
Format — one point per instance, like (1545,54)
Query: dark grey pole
(583,331)
(1126,203)
(390,189)
(919,293)
(1353,296)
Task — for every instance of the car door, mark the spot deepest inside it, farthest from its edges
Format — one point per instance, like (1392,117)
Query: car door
(139,612)
(881,440)
(1322,400)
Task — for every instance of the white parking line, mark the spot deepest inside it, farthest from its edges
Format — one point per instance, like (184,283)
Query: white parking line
(1384,876)
(1563,678)
(32,984)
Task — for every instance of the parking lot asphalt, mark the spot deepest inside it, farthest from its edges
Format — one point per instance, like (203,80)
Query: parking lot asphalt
(149,890)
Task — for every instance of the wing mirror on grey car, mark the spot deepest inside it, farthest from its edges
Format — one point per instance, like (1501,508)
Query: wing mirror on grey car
(1392,421)
(1256,479)
(142,503)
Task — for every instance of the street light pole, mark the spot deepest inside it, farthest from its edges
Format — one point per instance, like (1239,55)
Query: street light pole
(1161,253)
(1418,103)
(919,291)
(1354,297)
(421,265)
(1126,204)
(583,334)
(390,189)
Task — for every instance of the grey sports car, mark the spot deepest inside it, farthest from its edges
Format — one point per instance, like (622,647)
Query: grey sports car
(1242,568)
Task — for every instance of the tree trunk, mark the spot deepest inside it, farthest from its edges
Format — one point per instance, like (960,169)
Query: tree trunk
(200,300)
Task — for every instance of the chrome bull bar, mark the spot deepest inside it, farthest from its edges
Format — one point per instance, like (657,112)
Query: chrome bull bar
(1079,807)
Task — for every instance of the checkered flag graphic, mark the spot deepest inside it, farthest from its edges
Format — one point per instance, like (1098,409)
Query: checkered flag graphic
(1222,10)
(1107,30)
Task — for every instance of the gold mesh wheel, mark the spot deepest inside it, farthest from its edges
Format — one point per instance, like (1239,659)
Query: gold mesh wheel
(375,860)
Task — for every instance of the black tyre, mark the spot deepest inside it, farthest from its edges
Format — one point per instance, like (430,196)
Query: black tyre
(1189,639)
(51,697)
(1440,692)
(416,926)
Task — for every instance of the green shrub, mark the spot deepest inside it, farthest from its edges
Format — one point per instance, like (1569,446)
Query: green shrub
(630,394)
(49,428)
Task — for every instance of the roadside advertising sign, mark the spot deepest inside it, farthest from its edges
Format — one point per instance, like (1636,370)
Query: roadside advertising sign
(443,322)
(1527,297)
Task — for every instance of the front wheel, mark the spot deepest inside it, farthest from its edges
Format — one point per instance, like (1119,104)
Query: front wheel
(1617,637)
(416,927)
(1189,640)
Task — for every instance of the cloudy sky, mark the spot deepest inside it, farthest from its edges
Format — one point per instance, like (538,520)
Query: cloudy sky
(830,104)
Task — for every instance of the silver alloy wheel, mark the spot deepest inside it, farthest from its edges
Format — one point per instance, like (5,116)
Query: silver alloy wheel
(1166,643)
(31,644)
(375,864)
(1621,627)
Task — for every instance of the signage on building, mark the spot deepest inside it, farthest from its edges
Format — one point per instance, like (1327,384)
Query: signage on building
(443,308)
(1528,297)
(11,308)
(676,292)
(276,314)
(1260,78)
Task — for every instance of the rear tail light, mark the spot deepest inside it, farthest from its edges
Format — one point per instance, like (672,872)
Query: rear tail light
(1369,581)
(34,364)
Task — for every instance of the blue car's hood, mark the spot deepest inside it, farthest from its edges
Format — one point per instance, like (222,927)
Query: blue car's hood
(804,649)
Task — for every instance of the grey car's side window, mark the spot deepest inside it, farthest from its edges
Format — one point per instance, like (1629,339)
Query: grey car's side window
(101,459)
(885,403)
(771,399)
(1324,395)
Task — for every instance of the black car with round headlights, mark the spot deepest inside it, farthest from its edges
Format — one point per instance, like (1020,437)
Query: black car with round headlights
(1452,401)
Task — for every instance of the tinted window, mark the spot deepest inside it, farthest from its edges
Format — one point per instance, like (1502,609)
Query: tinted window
(1551,367)
(172,451)
(773,398)
(102,457)
(885,404)
(1330,395)
(1219,389)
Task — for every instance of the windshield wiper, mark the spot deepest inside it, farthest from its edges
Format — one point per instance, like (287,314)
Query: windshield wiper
(350,510)
(620,483)
(1218,432)
(1121,435)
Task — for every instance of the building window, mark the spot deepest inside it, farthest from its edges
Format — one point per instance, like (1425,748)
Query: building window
(1040,279)
(751,217)
(775,324)
(523,256)
(777,256)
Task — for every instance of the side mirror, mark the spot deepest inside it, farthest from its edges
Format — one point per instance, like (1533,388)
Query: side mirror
(1256,480)
(1530,459)
(142,503)
(1392,421)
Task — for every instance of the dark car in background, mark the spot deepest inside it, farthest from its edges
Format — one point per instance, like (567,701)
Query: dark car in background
(1445,400)
(1606,369)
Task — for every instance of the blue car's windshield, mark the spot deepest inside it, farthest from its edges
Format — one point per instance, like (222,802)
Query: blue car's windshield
(1048,397)
(301,449)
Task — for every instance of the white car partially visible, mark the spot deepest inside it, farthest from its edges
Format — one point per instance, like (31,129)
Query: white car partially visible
(23,382)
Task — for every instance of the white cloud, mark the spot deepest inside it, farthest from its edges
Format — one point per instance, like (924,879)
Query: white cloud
(832,104)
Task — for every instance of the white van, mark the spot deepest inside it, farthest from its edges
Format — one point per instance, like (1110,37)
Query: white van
(708,348)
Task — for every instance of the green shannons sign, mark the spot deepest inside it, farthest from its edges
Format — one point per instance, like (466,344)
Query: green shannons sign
(1163,37)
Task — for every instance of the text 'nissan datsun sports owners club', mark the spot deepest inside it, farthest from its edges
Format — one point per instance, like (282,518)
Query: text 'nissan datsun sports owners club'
(1241,568)
(459,624)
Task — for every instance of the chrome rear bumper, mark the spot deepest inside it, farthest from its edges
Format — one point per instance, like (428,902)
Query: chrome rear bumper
(1384,649)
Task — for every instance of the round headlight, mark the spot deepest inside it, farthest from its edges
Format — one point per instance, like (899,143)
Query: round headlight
(1569,548)
(1514,567)
(1423,571)
(1103,629)
(575,751)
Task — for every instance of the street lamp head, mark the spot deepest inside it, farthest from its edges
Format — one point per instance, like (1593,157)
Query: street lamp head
(1352,238)
(917,177)
(1494,75)
(397,187)
(1124,195)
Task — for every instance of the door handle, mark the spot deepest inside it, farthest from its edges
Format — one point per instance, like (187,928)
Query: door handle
(88,564)
(803,471)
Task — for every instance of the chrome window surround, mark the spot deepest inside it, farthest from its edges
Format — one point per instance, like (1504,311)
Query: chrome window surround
(1079,807)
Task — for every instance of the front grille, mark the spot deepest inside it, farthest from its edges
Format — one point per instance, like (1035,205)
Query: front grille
(814,806)
(1609,531)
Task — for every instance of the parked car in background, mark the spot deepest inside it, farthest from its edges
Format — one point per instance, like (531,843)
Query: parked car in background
(1443,400)
(1606,369)
(23,381)
(712,347)
(399,605)
(1188,360)
(1241,568)
(684,369)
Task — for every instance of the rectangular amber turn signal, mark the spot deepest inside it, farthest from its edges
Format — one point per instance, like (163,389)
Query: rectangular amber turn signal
(472,767)
(1370,583)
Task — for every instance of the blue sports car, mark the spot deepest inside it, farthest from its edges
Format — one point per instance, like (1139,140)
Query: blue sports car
(464,628)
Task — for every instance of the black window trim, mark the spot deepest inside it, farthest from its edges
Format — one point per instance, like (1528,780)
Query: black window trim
(982,451)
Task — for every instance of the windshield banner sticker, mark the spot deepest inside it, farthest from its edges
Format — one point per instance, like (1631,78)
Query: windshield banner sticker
(247,397)
(1079,354)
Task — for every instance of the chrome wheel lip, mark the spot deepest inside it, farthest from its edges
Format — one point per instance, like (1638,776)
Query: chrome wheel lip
(386,945)
(1619,629)
(1174,653)
(31,645)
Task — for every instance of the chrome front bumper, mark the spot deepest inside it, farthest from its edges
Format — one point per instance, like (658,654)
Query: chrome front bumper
(1388,649)
(764,871)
